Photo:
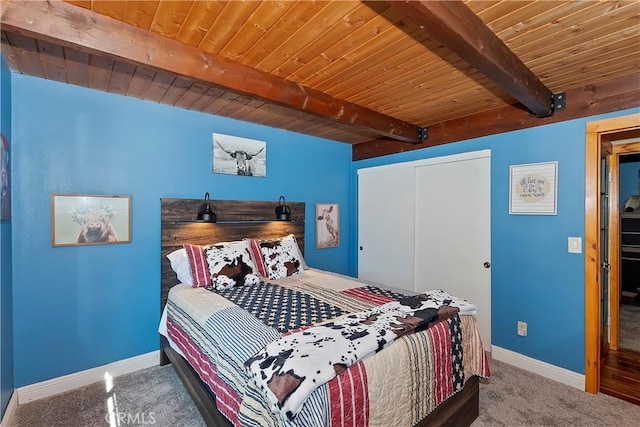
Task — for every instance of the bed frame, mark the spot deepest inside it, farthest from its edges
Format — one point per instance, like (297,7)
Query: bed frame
(236,220)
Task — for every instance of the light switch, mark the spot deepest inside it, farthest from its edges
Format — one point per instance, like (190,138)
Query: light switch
(575,245)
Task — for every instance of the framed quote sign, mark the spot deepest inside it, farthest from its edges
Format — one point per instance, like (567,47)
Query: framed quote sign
(533,189)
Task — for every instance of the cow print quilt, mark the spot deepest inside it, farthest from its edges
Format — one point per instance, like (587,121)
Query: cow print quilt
(289,369)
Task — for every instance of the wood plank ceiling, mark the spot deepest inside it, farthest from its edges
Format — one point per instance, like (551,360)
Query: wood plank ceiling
(363,73)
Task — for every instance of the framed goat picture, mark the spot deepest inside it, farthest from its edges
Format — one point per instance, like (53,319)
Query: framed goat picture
(79,219)
(239,156)
(327,225)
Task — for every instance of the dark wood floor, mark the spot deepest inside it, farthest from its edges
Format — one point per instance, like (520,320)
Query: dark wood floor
(633,300)
(620,375)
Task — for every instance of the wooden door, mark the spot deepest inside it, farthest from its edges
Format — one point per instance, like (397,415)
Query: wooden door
(597,132)
(605,265)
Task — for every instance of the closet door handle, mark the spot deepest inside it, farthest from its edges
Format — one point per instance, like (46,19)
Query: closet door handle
(487,264)
(361,248)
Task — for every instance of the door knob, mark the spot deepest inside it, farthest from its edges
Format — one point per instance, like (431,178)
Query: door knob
(361,248)
(487,264)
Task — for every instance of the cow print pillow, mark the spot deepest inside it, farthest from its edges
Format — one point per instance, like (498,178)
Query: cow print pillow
(230,264)
(281,257)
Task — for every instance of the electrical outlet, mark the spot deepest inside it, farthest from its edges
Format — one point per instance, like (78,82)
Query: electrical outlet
(522,328)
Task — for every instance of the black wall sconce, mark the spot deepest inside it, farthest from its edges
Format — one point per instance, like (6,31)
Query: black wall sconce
(205,212)
(283,212)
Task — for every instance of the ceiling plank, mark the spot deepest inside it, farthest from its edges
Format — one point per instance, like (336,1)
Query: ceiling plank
(266,15)
(206,99)
(221,102)
(140,13)
(77,65)
(75,27)
(177,89)
(25,50)
(330,16)
(453,24)
(249,108)
(52,60)
(9,54)
(199,20)
(169,17)
(161,83)
(121,78)
(112,8)
(599,98)
(140,82)
(227,22)
(316,61)
(99,73)
(191,95)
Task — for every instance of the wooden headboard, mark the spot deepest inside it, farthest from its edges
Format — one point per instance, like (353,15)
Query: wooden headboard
(237,219)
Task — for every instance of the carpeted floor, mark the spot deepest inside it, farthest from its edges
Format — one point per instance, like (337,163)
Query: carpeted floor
(155,396)
(630,327)
(514,397)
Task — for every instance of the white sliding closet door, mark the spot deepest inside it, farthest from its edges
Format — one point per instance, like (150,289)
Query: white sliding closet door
(386,206)
(453,232)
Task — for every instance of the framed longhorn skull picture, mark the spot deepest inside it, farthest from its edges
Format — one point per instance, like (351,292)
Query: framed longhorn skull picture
(233,155)
(80,219)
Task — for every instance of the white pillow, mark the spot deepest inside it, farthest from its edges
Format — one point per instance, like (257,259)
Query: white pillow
(180,265)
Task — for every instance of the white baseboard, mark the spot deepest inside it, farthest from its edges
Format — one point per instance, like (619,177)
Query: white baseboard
(12,407)
(80,379)
(539,367)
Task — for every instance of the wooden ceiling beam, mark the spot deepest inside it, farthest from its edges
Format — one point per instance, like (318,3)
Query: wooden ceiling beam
(599,98)
(72,26)
(454,25)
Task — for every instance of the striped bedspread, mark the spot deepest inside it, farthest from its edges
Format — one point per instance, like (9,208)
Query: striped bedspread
(219,332)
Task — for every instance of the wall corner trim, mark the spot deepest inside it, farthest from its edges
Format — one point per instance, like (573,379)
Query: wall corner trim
(69,382)
(539,367)
(12,407)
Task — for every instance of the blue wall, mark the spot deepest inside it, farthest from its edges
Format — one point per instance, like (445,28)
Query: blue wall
(629,180)
(88,306)
(533,277)
(80,307)
(6,297)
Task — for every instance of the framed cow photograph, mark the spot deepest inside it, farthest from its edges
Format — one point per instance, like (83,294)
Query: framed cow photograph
(327,225)
(234,155)
(81,219)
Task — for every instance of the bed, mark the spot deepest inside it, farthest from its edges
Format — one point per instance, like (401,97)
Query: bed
(206,356)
